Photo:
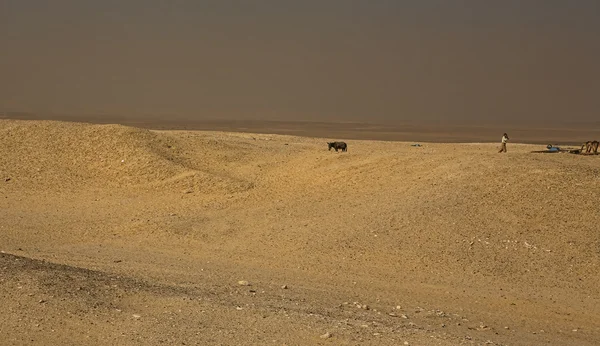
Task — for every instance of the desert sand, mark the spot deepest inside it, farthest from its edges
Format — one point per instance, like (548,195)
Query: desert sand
(115,235)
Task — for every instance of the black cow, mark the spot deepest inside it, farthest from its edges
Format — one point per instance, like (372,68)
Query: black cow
(338,145)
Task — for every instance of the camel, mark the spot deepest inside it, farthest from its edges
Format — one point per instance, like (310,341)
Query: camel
(591,147)
(588,147)
(594,147)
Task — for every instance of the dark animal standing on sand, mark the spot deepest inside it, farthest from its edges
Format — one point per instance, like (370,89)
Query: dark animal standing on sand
(337,146)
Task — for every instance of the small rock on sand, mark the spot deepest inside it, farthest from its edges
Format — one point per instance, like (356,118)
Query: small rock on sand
(326,335)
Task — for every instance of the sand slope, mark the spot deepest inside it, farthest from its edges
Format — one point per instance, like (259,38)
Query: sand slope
(471,245)
(67,156)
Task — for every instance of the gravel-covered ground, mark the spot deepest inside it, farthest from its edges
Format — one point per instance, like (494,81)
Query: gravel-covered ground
(116,235)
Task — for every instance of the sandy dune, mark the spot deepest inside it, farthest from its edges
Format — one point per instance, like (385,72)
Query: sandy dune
(117,235)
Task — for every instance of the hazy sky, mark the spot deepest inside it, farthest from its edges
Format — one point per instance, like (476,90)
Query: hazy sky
(476,61)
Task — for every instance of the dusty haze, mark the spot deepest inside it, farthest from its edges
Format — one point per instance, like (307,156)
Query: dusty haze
(465,62)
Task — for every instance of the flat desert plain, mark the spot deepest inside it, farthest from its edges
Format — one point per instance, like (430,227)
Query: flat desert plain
(115,235)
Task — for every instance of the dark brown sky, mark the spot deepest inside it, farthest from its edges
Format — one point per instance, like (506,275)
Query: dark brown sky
(460,61)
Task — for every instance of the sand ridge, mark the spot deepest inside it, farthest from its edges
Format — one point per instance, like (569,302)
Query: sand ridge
(74,155)
(464,240)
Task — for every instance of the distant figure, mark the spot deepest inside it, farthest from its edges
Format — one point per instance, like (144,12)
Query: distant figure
(337,145)
(594,147)
(504,140)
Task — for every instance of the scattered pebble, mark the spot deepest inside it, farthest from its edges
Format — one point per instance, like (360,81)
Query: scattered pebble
(243,283)
(284,287)
(326,335)
(136,316)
